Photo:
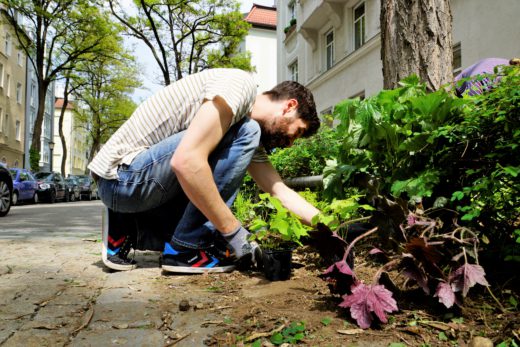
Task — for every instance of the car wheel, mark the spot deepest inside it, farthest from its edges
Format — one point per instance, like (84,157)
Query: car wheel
(35,198)
(52,198)
(15,199)
(67,196)
(72,197)
(5,198)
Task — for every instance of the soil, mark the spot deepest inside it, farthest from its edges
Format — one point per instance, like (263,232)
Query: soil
(56,292)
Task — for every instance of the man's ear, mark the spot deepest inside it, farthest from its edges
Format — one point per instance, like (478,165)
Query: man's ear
(291,106)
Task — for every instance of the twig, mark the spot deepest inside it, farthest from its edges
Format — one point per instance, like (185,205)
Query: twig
(86,322)
(177,341)
(255,336)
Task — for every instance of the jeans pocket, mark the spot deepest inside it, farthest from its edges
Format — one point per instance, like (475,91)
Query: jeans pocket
(138,196)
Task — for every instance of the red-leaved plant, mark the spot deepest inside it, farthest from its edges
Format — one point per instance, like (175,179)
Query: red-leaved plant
(422,250)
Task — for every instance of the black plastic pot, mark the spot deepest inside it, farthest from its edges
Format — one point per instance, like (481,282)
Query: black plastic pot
(277,264)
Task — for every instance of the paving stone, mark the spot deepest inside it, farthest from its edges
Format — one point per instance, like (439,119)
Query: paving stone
(38,338)
(119,337)
(117,314)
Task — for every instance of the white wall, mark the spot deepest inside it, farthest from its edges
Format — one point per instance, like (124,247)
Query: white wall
(486,29)
(262,45)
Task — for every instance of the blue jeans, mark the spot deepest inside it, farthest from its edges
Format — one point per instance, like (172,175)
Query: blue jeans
(149,183)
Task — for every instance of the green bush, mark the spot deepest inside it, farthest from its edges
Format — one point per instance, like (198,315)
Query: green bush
(307,156)
(446,151)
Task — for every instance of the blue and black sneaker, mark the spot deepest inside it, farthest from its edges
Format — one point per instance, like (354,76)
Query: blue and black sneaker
(196,261)
(116,245)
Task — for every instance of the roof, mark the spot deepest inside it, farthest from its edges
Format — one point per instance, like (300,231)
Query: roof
(59,104)
(262,16)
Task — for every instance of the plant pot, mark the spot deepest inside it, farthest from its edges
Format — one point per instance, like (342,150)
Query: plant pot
(277,264)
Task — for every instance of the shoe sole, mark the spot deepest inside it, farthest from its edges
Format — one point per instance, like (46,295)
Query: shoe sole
(197,270)
(104,250)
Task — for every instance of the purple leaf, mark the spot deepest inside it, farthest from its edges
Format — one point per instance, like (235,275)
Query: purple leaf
(413,271)
(340,277)
(445,294)
(466,277)
(366,299)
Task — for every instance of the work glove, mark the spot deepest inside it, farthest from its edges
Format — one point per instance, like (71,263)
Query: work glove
(247,252)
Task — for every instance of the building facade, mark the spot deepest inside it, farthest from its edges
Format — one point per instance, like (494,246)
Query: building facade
(334,48)
(261,42)
(75,136)
(12,97)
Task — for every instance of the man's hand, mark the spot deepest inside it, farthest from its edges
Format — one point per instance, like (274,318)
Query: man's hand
(238,242)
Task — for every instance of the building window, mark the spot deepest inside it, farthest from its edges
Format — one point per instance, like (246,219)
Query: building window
(8,85)
(18,131)
(1,121)
(457,59)
(5,125)
(329,49)
(359,25)
(33,93)
(1,75)
(20,59)
(7,45)
(293,71)
(291,10)
(19,93)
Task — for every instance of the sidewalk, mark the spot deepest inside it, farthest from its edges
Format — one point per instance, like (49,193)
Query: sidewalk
(57,292)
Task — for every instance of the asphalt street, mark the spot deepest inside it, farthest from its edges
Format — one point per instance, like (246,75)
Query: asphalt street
(81,219)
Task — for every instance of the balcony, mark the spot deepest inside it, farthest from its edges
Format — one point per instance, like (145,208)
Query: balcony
(316,13)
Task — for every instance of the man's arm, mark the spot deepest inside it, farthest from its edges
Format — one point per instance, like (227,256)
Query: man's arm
(190,163)
(268,179)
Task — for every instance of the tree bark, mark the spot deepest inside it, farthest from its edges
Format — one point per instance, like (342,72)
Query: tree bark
(416,38)
(60,125)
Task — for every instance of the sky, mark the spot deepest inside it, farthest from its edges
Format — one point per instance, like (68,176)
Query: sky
(149,71)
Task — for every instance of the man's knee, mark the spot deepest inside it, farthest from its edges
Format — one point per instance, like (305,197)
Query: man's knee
(251,129)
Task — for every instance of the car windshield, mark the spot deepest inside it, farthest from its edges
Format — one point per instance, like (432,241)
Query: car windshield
(13,173)
(84,180)
(42,175)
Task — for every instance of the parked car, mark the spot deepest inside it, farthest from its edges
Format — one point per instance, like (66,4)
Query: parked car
(51,186)
(73,189)
(6,190)
(87,185)
(25,186)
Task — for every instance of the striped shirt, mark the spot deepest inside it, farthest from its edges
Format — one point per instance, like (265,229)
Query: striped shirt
(170,111)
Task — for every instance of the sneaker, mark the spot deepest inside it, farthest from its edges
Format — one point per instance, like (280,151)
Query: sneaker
(195,261)
(115,247)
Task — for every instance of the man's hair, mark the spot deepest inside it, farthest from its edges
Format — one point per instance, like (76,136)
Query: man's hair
(514,61)
(306,106)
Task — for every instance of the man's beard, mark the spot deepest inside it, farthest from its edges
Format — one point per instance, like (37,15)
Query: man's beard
(274,139)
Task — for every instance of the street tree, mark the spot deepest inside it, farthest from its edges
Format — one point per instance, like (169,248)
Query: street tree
(416,38)
(103,88)
(62,33)
(185,37)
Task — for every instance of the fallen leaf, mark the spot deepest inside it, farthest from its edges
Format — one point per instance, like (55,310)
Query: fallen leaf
(350,331)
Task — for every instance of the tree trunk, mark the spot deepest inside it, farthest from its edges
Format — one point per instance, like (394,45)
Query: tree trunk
(416,39)
(38,123)
(60,125)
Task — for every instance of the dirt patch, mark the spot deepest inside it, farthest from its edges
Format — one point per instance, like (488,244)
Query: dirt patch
(244,308)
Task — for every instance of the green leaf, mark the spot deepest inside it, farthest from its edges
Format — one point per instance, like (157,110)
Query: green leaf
(326,321)
(442,336)
(257,343)
(397,344)
(277,339)
(512,170)
(458,195)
